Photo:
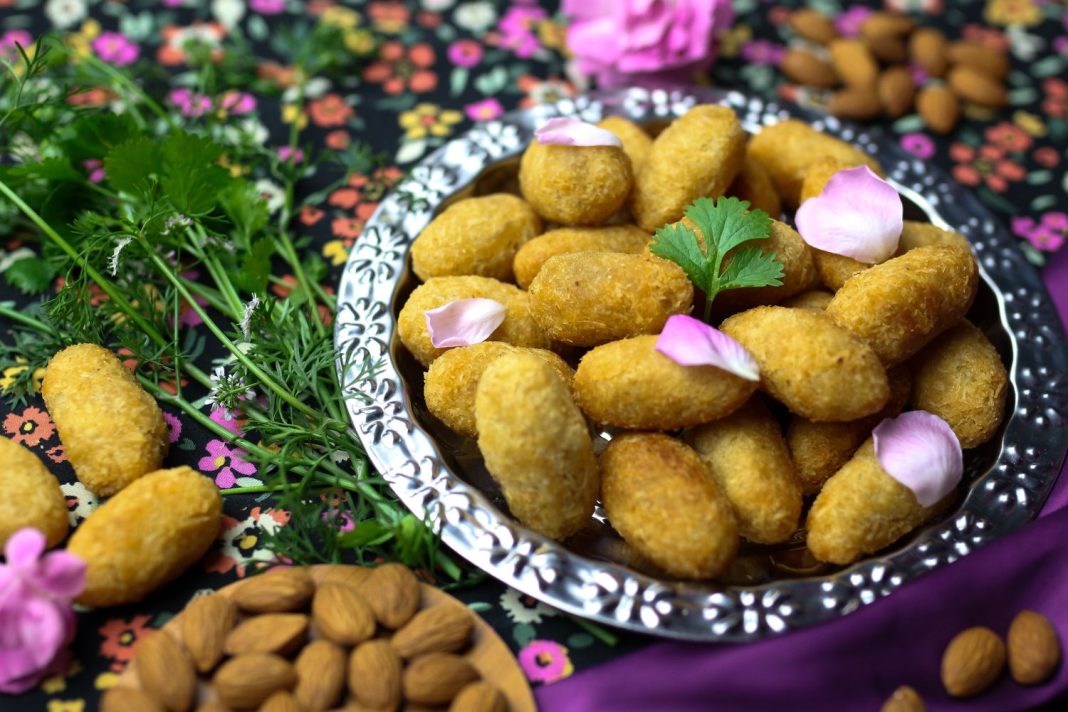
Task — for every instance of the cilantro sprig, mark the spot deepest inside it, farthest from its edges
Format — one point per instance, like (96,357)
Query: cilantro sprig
(724,226)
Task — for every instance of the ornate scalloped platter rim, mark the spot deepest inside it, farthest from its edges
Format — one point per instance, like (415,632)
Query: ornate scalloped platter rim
(1002,497)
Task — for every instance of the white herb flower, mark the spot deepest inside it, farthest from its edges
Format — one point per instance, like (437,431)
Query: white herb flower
(65,13)
(272,193)
(228,12)
(227,389)
(113,261)
(246,318)
(174,222)
(475,16)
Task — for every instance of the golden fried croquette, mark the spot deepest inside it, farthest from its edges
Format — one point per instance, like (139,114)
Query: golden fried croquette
(747,455)
(819,173)
(629,384)
(699,154)
(919,234)
(820,449)
(146,535)
(30,496)
(536,444)
(518,328)
(815,300)
(612,238)
(452,380)
(753,183)
(112,430)
(591,298)
(961,379)
(799,271)
(575,185)
(475,236)
(787,150)
(636,143)
(897,307)
(861,510)
(814,367)
(661,498)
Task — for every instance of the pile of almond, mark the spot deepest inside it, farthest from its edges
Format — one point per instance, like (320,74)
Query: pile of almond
(282,643)
(870,76)
(975,659)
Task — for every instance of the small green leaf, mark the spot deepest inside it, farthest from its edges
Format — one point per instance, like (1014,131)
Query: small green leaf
(192,180)
(255,267)
(367,533)
(678,243)
(751,267)
(131,165)
(30,275)
(523,633)
(246,209)
(49,169)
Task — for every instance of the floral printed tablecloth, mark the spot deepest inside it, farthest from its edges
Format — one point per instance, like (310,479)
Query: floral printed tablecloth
(438,66)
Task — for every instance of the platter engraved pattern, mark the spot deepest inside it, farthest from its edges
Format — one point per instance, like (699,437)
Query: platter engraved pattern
(1002,497)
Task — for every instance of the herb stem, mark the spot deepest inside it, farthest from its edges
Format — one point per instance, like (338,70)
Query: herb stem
(25,320)
(131,86)
(211,296)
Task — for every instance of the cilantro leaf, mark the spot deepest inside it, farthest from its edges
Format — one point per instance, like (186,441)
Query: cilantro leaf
(255,268)
(30,275)
(192,180)
(131,164)
(246,209)
(58,169)
(721,227)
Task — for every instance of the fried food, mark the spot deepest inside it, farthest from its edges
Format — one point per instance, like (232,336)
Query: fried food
(565,240)
(146,535)
(452,380)
(747,455)
(698,155)
(636,143)
(961,379)
(861,510)
(660,496)
(919,234)
(591,298)
(814,367)
(899,306)
(112,430)
(475,236)
(753,183)
(815,300)
(789,148)
(799,271)
(819,450)
(30,497)
(536,444)
(629,384)
(575,185)
(518,328)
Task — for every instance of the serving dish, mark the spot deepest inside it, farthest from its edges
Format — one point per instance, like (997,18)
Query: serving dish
(770,590)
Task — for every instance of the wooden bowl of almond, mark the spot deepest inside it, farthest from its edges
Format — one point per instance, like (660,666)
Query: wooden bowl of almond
(327,637)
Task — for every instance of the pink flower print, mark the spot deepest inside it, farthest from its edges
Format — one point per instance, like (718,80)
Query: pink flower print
(485,110)
(190,103)
(95,168)
(9,39)
(918,144)
(287,153)
(267,7)
(238,103)
(848,23)
(226,462)
(1047,234)
(517,29)
(230,420)
(114,48)
(763,52)
(545,661)
(465,53)
(174,426)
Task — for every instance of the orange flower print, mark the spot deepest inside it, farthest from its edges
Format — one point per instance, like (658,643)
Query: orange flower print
(399,68)
(338,140)
(31,427)
(1008,137)
(310,215)
(330,110)
(348,228)
(987,164)
(121,638)
(175,39)
(389,17)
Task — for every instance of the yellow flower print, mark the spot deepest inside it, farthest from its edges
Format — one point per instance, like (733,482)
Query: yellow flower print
(730,44)
(335,251)
(236,171)
(1030,123)
(11,373)
(66,706)
(429,119)
(54,684)
(106,680)
(79,42)
(361,42)
(553,35)
(342,17)
(1013,12)
(291,113)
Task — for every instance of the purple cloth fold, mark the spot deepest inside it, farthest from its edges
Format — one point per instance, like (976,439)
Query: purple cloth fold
(856,662)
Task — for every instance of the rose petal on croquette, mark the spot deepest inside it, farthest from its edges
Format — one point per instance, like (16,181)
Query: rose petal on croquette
(858,215)
(691,342)
(463,322)
(563,131)
(921,451)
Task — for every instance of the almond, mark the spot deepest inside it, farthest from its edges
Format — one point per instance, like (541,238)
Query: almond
(972,85)
(320,675)
(375,675)
(973,661)
(904,699)
(127,699)
(277,591)
(280,633)
(1034,648)
(166,672)
(895,91)
(436,678)
(855,103)
(886,23)
(212,707)
(939,108)
(341,614)
(393,593)
(888,49)
(442,628)
(978,56)
(929,49)
(804,67)
(813,26)
(479,697)
(245,682)
(854,63)
(205,623)
(281,701)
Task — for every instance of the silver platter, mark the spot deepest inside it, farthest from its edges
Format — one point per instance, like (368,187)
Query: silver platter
(770,591)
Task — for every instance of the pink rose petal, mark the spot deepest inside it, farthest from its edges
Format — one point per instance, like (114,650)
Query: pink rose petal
(921,451)
(572,132)
(62,574)
(691,342)
(463,322)
(858,215)
(24,547)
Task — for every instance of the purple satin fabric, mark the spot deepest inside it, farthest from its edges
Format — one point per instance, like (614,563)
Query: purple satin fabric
(856,662)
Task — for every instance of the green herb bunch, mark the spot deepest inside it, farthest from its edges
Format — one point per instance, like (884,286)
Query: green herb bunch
(170,227)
